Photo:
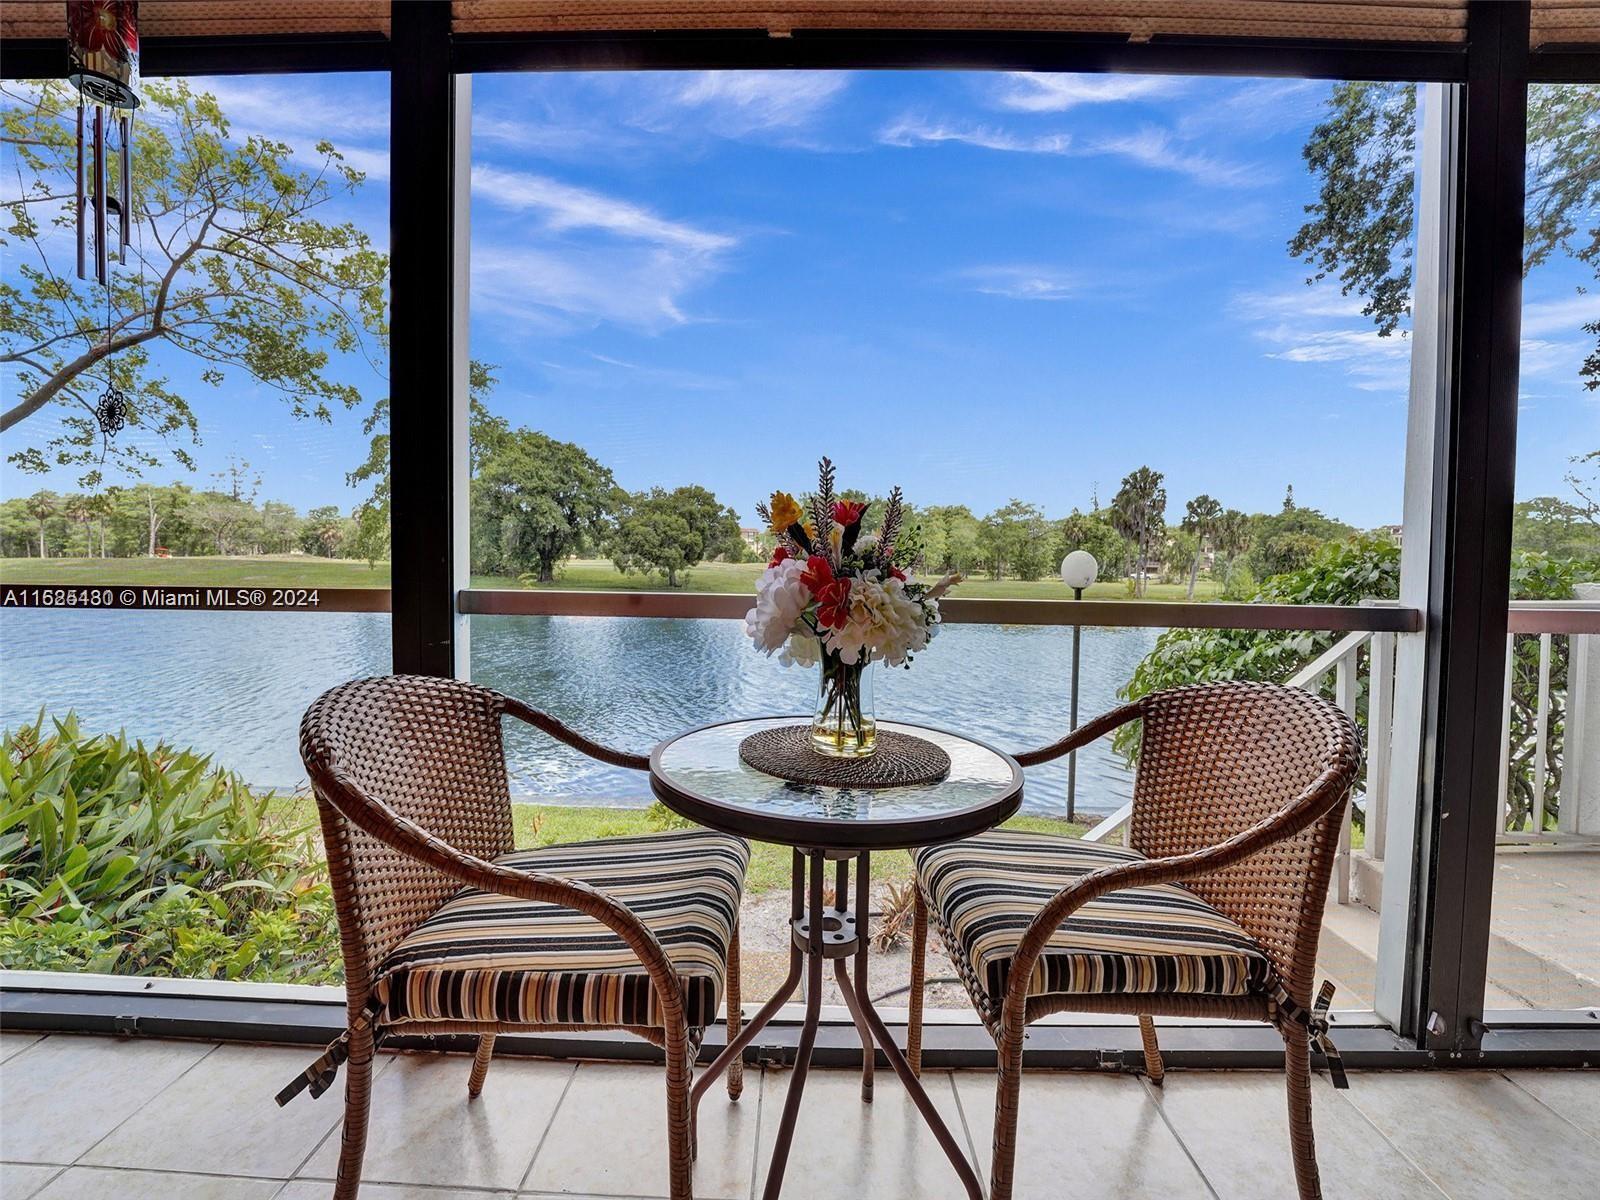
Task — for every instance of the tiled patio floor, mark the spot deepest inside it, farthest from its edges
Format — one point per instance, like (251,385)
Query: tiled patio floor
(86,1118)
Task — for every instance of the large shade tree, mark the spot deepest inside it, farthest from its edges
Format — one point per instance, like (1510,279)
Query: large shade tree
(1359,229)
(234,260)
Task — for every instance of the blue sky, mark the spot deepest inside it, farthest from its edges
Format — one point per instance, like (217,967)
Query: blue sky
(975,285)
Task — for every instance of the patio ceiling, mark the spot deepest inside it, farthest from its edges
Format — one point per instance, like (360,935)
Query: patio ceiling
(1415,22)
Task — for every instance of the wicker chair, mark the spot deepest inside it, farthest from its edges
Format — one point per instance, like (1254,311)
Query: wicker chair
(446,930)
(1240,794)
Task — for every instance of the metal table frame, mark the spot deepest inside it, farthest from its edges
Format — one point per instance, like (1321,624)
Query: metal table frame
(820,933)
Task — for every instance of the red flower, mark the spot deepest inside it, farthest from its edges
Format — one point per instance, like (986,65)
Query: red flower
(833,595)
(778,555)
(848,512)
(898,574)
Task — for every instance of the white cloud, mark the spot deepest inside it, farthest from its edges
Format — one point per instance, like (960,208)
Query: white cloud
(1319,325)
(1543,317)
(736,103)
(1023,282)
(1027,91)
(1156,149)
(566,206)
(911,131)
(1153,148)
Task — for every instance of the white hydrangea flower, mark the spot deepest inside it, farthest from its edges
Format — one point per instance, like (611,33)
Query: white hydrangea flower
(780,600)
(801,650)
(885,624)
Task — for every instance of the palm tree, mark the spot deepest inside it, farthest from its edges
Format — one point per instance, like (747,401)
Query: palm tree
(1200,518)
(1138,511)
(80,510)
(41,507)
(1231,536)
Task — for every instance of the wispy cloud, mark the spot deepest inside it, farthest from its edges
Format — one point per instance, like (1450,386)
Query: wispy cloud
(566,206)
(1023,282)
(1027,91)
(1160,151)
(913,131)
(1541,318)
(1318,325)
(736,103)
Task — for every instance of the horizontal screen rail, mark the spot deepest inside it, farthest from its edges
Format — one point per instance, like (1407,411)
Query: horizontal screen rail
(1103,613)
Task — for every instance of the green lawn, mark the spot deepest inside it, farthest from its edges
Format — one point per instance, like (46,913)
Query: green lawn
(548,824)
(300,570)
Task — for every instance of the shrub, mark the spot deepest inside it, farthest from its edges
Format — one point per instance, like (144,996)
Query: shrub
(149,861)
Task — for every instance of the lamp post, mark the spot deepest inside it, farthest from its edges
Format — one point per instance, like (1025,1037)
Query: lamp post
(1078,570)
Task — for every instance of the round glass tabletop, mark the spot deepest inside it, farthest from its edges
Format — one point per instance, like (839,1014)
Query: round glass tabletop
(700,775)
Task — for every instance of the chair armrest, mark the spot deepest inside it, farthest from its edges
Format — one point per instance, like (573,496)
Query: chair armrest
(1313,802)
(1081,736)
(399,833)
(565,733)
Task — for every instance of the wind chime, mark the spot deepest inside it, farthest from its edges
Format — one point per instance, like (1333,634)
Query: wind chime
(103,38)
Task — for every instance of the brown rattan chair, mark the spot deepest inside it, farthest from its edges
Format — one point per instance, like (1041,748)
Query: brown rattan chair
(446,930)
(1214,909)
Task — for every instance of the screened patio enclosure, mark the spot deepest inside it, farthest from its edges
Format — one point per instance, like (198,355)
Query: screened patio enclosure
(1460,926)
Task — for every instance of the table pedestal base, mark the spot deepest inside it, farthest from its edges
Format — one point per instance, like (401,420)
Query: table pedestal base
(823,932)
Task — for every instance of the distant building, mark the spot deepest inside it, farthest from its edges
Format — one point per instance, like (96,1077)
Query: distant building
(756,539)
(1395,531)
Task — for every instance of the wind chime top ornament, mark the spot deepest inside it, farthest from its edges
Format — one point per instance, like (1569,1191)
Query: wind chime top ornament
(103,37)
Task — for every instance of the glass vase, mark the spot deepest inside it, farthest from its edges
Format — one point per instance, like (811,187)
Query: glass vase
(844,725)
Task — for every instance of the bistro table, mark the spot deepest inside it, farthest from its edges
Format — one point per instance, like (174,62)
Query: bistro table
(699,775)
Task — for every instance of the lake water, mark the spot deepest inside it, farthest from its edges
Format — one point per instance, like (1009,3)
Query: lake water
(235,684)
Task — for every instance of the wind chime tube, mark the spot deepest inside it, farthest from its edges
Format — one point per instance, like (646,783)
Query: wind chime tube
(101,271)
(125,191)
(83,229)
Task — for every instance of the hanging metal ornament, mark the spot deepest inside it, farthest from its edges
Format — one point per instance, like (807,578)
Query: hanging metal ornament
(103,37)
(112,412)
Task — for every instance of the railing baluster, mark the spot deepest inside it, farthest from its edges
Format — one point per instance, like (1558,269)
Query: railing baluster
(1541,737)
(1505,735)
(1380,733)
(1344,691)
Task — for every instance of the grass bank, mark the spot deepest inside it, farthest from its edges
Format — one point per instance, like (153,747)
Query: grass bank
(550,824)
(301,570)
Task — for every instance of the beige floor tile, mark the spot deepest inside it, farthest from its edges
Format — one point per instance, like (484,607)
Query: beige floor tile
(1083,1134)
(424,1129)
(14,1043)
(1479,1136)
(582,1152)
(844,1148)
(221,1118)
(19,1181)
(1574,1095)
(1236,1125)
(103,1183)
(318,1189)
(75,1090)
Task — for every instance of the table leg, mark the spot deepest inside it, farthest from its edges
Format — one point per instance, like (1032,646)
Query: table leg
(770,1009)
(808,1032)
(863,928)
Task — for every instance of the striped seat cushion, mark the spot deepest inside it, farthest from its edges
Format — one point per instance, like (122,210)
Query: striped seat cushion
(488,957)
(984,892)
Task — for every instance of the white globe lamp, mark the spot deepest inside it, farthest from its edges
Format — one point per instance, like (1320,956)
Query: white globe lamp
(1078,570)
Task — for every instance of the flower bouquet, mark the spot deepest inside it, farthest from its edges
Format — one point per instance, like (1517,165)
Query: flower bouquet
(839,599)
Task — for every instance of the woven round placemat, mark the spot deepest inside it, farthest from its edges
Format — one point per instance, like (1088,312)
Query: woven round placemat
(900,760)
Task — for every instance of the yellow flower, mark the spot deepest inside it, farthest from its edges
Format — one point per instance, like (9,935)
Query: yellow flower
(785,511)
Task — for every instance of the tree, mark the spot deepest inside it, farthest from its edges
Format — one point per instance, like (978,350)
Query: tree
(1360,226)
(950,537)
(80,512)
(669,532)
(1288,540)
(323,531)
(1092,532)
(41,507)
(1015,538)
(1138,511)
(535,501)
(1200,519)
(219,514)
(231,262)
(160,505)
(1552,526)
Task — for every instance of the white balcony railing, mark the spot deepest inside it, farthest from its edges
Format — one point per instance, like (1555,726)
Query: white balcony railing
(1554,763)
